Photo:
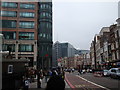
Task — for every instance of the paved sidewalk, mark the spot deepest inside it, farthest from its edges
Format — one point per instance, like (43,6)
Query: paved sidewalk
(34,85)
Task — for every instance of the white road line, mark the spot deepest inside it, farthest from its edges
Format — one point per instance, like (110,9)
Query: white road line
(93,83)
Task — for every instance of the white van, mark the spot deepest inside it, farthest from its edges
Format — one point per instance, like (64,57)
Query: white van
(114,73)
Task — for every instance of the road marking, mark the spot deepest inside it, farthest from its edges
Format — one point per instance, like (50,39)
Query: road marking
(79,86)
(69,82)
(93,83)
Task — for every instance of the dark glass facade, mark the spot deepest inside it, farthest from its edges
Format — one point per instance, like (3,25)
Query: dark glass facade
(45,35)
(9,35)
(8,24)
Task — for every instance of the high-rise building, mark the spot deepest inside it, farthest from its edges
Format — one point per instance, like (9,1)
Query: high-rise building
(27,31)
(57,52)
(62,50)
(19,28)
(45,35)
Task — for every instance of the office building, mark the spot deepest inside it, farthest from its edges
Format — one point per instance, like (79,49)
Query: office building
(45,35)
(27,31)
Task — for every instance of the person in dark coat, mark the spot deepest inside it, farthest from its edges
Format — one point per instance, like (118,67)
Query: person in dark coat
(40,77)
(55,82)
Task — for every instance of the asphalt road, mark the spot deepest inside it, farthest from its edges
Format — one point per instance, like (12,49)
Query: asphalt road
(107,82)
(104,81)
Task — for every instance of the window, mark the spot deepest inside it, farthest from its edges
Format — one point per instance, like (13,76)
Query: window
(5,47)
(25,48)
(8,24)
(27,6)
(26,35)
(113,70)
(45,6)
(9,4)
(8,13)
(10,69)
(44,35)
(40,34)
(9,35)
(27,14)
(48,25)
(45,14)
(23,24)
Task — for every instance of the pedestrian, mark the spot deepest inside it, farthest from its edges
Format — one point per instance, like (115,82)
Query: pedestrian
(55,82)
(25,83)
(54,72)
(48,75)
(40,77)
(45,75)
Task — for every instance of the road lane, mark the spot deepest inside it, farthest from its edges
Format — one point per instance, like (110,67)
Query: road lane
(77,82)
(107,82)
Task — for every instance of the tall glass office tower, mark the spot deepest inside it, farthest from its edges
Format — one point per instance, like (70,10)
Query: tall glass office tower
(44,59)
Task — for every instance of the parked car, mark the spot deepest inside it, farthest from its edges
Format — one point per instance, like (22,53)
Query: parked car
(73,70)
(98,73)
(114,73)
(105,72)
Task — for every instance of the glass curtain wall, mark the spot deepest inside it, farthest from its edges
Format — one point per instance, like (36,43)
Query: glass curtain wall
(45,35)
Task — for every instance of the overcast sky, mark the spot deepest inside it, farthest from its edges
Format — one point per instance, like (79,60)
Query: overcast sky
(78,22)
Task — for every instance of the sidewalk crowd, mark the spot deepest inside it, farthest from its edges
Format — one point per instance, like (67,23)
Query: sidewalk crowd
(45,79)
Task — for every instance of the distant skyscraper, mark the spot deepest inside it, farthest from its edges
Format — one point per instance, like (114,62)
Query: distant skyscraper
(62,50)
(57,52)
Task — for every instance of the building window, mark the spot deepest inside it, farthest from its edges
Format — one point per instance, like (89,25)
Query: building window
(40,34)
(45,14)
(25,48)
(48,25)
(45,6)
(42,6)
(8,24)
(10,69)
(9,35)
(8,13)
(26,35)
(27,6)
(23,24)
(27,14)
(7,47)
(9,4)
(44,35)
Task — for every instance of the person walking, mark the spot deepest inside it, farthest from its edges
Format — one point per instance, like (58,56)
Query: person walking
(25,83)
(40,77)
(55,82)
